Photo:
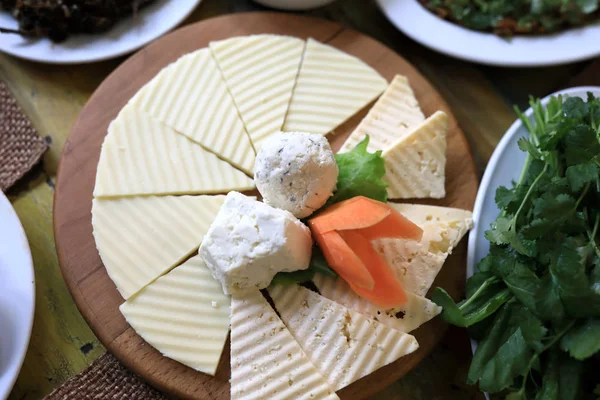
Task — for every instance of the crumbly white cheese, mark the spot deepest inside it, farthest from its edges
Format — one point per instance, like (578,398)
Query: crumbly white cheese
(296,171)
(249,242)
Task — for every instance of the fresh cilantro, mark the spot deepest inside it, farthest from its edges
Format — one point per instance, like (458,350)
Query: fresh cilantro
(583,341)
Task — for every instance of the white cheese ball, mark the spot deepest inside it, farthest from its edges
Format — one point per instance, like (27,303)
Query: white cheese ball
(296,171)
(249,242)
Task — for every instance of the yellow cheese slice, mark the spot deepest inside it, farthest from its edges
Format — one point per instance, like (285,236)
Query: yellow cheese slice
(184,315)
(416,264)
(406,318)
(415,166)
(191,97)
(343,344)
(141,238)
(331,87)
(266,361)
(260,72)
(392,116)
(143,156)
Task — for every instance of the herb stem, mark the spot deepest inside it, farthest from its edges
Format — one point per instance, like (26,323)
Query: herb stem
(481,288)
(528,194)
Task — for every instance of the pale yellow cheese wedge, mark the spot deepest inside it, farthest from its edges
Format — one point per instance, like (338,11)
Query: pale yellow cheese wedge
(415,166)
(266,361)
(141,238)
(332,86)
(143,156)
(392,116)
(191,97)
(405,318)
(260,72)
(416,264)
(343,344)
(184,315)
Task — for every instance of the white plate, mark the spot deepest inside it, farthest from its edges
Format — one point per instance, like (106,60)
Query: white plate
(17,296)
(486,48)
(126,36)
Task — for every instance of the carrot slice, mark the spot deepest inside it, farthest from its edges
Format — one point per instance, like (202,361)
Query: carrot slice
(355,213)
(395,225)
(387,291)
(343,260)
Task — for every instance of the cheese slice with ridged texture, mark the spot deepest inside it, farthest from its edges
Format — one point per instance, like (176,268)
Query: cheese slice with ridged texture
(405,318)
(343,344)
(416,264)
(392,117)
(191,97)
(332,86)
(266,361)
(184,315)
(260,72)
(141,238)
(415,166)
(143,156)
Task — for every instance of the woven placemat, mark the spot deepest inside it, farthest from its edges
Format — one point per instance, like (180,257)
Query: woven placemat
(20,145)
(106,378)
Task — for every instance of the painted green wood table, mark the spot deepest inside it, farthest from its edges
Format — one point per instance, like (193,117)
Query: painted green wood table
(52,96)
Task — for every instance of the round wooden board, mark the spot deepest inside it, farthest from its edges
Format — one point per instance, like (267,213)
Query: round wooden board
(86,277)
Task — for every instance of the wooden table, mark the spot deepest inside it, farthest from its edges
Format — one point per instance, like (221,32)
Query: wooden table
(52,96)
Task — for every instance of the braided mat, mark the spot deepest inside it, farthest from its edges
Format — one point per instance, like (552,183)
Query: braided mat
(20,145)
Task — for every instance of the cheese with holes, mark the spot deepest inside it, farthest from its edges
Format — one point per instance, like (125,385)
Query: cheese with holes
(332,86)
(260,72)
(394,114)
(405,318)
(142,156)
(191,97)
(415,166)
(416,264)
(343,344)
(141,238)
(184,315)
(266,361)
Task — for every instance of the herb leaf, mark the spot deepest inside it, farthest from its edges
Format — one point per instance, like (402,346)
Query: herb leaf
(583,340)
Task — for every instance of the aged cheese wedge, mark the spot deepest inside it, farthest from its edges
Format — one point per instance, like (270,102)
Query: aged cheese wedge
(343,344)
(416,264)
(184,315)
(406,318)
(266,361)
(331,87)
(143,156)
(141,238)
(260,71)
(392,116)
(415,166)
(191,97)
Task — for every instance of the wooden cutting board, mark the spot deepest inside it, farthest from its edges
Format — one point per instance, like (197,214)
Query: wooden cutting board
(86,277)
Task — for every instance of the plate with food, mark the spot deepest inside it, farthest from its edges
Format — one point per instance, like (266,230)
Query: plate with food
(75,32)
(17,296)
(520,33)
(257,205)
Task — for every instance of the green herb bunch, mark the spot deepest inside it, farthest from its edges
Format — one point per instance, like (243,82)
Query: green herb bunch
(533,304)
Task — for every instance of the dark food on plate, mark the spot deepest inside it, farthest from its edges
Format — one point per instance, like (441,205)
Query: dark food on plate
(57,19)
(510,17)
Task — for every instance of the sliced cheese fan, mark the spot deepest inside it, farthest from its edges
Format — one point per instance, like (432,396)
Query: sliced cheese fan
(184,315)
(331,87)
(343,344)
(260,72)
(266,360)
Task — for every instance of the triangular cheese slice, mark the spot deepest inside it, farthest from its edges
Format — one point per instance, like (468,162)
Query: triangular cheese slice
(191,97)
(260,71)
(405,318)
(416,264)
(141,238)
(392,116)
(143,156)
(341,343)
(415,166)
(332,86)
(184,315)
(266,361)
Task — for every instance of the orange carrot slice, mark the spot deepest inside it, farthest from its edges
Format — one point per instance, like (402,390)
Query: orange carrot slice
(395,225)
(355,213)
